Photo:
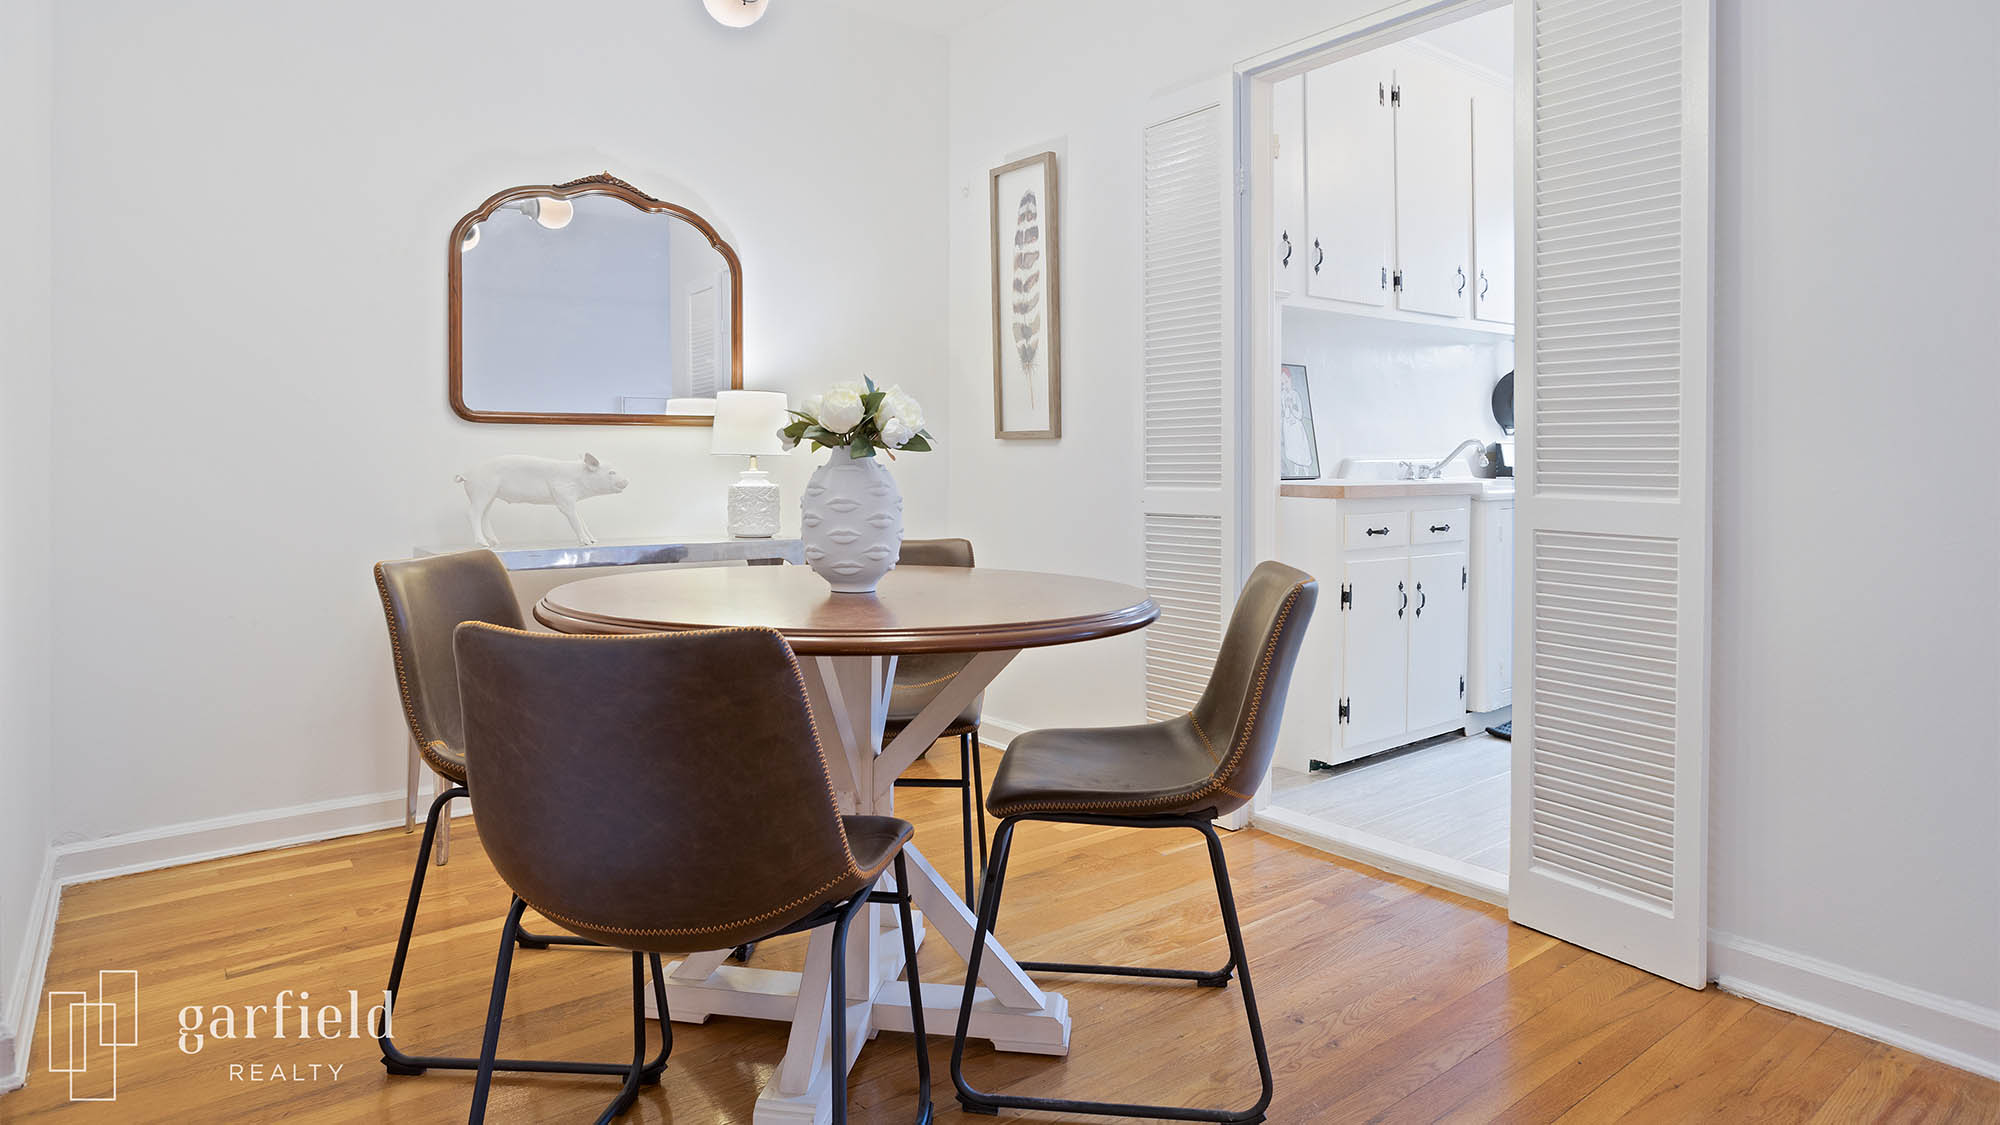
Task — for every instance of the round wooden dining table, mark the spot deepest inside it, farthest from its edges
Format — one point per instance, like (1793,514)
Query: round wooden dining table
(847,645)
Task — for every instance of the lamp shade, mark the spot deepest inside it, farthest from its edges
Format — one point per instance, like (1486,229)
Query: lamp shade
(747,422)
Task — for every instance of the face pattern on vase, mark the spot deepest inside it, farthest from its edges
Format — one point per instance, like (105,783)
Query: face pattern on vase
(851,518)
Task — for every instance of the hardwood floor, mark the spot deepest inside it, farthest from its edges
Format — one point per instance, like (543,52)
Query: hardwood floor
(1451,799)
(1383,1000)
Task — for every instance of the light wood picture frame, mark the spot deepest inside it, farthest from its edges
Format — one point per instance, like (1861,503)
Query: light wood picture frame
(1027,304)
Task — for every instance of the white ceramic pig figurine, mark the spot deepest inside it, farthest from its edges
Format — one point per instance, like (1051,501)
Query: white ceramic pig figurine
(536,480)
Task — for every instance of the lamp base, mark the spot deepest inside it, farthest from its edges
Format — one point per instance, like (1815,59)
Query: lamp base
(753,506)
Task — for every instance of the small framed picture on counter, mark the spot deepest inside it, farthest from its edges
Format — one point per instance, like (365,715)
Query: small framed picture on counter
(1298,446)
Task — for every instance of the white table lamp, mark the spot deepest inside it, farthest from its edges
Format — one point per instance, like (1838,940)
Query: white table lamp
(747,424)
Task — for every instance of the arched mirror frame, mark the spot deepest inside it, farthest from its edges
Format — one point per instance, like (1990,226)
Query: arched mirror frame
(602,184)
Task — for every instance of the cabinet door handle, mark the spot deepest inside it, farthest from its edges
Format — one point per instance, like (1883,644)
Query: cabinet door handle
(1437,527)
(1287,239)
(1461,281)
(1406,599)
(1483,285)
(1378,531)
(1422,601)
(1319,255)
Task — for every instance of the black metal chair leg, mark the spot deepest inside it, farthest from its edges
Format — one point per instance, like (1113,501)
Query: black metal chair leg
(837,1005)
(489,1044)
(630,1092)
(965,802)
(973,1101)
(531,940)
(666,1020)
(978,792)
(909,928)
(977,1101)
(394,1059)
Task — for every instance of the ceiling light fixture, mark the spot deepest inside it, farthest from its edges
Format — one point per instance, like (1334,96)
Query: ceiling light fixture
(736,13)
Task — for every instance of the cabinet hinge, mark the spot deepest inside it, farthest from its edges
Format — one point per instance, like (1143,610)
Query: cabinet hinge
(1461,687)
(1464,578)
(1346,595)
(1381,94)
(1396,96)
(1345,708)
(1397,277)
(1385,277)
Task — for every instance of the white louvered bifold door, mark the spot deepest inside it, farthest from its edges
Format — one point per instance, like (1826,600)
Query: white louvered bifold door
(1613,359)
(1189,388)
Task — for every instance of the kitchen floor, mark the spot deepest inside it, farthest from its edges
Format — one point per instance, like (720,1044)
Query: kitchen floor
(1450,798)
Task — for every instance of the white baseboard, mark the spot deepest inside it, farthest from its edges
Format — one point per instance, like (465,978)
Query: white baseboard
(1962,1034)
(997,733)
(24,987)
(86,861)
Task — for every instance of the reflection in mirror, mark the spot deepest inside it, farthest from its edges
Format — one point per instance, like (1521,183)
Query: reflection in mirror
(591,308)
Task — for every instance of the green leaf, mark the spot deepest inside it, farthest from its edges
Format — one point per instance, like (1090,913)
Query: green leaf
(870,403)
(797,430)
(862,447)
(917,444)
(869,383)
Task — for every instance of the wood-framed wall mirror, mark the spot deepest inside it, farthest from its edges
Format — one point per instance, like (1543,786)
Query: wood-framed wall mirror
(592,303)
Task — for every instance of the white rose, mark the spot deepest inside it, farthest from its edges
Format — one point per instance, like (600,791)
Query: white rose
(785,440)
(810,407)
(897,404)
(840,409)
(897,433)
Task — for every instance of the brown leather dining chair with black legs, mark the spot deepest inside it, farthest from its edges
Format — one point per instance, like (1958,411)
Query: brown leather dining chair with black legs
(667,793)
(1178,773)
(424,600)
(919,678)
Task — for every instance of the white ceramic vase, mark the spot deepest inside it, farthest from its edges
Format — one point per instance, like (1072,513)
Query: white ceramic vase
(851,519)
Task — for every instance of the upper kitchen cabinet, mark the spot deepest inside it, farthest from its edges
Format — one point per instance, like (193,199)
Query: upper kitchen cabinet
(1408,190)
(1288,143)
(1493,204)
(1433,177)
(1350,195)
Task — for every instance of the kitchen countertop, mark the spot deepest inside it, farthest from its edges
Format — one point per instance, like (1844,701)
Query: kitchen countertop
(1337,489)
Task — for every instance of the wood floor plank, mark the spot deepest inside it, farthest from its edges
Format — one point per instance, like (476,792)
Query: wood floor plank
(1382,999)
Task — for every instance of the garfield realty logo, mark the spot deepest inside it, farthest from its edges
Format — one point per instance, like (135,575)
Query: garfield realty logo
(85,1033)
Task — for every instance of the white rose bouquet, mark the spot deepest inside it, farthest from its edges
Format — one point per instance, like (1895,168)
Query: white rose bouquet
(861,417)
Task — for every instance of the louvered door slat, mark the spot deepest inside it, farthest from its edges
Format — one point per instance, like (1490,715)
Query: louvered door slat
(1609,848)
(1186,388)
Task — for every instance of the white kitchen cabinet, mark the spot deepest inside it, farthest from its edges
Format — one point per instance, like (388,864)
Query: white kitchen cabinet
(1350,191)
(1375,615)
(1288,195)
(1437,639)
(1383,662)
(1433,173)
(1489,675)
(1493,204)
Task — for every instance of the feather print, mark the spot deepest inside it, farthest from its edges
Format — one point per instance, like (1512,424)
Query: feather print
(1028,287)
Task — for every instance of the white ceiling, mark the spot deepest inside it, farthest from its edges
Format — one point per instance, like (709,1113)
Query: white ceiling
(942,16)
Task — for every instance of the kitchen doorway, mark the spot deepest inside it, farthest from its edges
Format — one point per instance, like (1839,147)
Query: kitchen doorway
(1387,203)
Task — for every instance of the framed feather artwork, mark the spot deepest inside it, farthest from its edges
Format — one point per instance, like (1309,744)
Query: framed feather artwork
(1027,312)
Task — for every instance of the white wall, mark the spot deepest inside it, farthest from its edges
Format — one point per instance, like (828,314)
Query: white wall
(255,202)
(1385,389)
(1856,673)
(26,89)
(1856,815)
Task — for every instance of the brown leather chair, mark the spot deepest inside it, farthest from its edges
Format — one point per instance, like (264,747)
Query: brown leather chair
(424,600)
(1180,773)
(919,678)
(667,793)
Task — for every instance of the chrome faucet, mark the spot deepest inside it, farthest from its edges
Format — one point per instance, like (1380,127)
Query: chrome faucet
(1432,472)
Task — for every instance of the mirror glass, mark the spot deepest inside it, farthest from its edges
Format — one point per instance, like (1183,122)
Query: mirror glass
(591,307)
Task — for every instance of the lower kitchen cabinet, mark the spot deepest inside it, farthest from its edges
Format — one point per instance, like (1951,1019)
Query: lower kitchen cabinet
(1386,667)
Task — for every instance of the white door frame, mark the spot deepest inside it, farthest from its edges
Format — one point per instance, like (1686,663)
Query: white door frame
(1260,343)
